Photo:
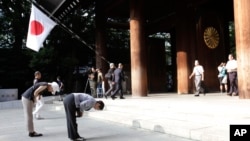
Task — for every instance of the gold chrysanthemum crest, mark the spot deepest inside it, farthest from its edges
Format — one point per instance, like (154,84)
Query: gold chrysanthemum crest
(211,37)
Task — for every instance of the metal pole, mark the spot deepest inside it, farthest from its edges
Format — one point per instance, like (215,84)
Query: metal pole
(86,86)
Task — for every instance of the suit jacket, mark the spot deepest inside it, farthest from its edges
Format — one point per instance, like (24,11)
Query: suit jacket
(118,75)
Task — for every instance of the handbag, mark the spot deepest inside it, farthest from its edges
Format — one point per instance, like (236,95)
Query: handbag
(107,76)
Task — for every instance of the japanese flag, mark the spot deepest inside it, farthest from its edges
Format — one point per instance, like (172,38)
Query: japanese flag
(40,26)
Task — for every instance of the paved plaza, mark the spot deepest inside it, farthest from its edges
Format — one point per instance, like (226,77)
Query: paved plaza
(204,118)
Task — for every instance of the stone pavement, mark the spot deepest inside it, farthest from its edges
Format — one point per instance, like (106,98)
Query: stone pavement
(204,118)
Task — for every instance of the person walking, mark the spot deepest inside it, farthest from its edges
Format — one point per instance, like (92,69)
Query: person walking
(39,101)
(118,79)
(93,82)
(29,97)
(231,67)
(198,72)
(75,104)
(222,77)
(61,87)
(37,77)
(100,83)
(109,76)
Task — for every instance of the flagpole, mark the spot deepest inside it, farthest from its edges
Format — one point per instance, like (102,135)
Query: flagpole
(64,27)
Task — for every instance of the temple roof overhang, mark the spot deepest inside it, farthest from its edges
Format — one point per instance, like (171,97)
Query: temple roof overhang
(155,12)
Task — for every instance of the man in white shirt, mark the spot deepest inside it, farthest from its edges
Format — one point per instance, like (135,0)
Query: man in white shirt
(231,67)
(198,72)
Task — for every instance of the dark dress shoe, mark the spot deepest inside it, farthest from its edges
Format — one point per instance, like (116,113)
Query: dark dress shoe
(235,94)
(79,139)
(106,96)
(113,97)
(196,95)
(122,97)
(204,93)
(229,94)
(34,134)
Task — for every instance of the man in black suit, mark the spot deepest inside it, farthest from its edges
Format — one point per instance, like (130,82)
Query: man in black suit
(118,79)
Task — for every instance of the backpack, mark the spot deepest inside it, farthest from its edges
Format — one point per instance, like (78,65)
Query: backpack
(108,75)
(223,72)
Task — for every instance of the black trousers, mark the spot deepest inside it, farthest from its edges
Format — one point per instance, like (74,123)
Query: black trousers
(118,88)
(233,82)
(70,110)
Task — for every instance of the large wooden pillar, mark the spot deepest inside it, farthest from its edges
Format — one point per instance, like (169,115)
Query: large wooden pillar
(242,35)
(185,44)
(100,49)
(139,83)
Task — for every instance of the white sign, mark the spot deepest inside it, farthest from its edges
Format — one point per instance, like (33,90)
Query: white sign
(8,94)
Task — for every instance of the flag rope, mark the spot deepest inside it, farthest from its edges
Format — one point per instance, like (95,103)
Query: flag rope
(68,30)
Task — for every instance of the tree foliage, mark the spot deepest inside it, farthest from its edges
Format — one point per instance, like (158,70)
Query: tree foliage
(232,38)
(62,52)
(14,15)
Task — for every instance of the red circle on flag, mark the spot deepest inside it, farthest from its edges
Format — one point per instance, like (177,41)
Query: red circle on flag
(36,28)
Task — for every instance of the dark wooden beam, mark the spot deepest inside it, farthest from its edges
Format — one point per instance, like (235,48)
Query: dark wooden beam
(117,25)
(161,24)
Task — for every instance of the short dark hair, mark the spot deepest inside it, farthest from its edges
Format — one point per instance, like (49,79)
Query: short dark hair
(101,104)
(37,72)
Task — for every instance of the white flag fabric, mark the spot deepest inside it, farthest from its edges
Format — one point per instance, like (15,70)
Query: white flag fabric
(40,26)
